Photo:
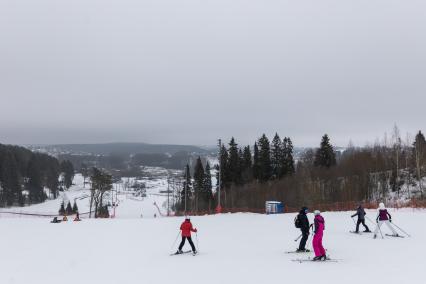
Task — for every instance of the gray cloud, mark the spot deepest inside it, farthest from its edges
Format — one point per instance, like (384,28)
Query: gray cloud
(190,71)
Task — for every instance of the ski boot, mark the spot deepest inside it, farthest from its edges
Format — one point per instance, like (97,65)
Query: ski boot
(194,252)
(179,252)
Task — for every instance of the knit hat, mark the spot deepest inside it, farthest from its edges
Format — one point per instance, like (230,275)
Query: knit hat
(382,205)
(317,212)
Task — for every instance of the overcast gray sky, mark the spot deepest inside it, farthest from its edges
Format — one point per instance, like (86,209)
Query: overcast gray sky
(190,71)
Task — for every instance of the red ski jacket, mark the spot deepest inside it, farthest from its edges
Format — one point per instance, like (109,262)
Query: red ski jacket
(187,228)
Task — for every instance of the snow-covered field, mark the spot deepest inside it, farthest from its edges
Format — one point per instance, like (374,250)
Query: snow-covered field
(234,248)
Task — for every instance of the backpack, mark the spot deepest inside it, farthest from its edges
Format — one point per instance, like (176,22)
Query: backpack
(297,222)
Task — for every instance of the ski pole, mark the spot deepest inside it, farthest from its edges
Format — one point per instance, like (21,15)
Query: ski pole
(380,230)
(196,238)
(400,229)
(353,220)
(175,240)
(301,235)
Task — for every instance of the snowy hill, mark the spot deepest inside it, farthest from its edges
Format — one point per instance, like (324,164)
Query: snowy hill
(234,248)
(130,203)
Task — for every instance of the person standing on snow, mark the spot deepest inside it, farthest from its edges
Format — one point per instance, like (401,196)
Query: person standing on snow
(360,212)
(319,227)
(383,216)
(186,229)
(302,222)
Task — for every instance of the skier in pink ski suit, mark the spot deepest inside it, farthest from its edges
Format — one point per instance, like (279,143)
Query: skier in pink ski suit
(319,226)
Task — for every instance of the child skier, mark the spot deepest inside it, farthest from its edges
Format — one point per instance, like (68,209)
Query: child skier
(383,216)
(186,229)
(360,212)
(319,226)
(302,222)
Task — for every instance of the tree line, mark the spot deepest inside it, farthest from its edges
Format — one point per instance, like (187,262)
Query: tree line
(386,170)
(24,176)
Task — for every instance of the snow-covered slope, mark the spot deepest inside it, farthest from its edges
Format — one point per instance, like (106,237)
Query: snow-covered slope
(234,248)
(130,205)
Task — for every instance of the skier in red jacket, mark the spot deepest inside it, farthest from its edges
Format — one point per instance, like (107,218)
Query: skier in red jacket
(186,229)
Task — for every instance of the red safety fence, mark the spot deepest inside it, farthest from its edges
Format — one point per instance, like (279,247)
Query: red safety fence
(336,206)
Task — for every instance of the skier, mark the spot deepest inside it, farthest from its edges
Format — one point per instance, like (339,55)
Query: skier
(77,217)
(55,220)
(383,216)
(186,229)
(302,222)
(319,226)
(360,212)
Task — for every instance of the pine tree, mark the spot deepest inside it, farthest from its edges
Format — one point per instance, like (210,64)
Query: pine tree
(62,209)
(234,162)
(224,167)
(75,207)
(67,169)
(11,186)
(35,186)
(288,164)
(265,167)
(186,193)
(198,182)
(256,166)
(325,156)
(419,148)
(207,187)
(277,157)
(68,210)
(247,165)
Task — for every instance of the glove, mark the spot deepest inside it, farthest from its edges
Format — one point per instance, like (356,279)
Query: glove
(195,230)
(390,220)
(377,221)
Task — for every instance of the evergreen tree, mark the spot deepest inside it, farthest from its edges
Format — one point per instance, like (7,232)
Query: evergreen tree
(186,193)
(67,169)
(247,165)
(277,157)
(265,167)
(325,156)
(256,166)
(207,187)
(198,182)
(68,210)
(224,167)
(9,175)
(35,186)
(75,207)
(62,209)
(234,168)
(288,164)
(419,155)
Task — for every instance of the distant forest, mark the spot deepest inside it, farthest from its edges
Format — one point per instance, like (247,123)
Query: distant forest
(389,170)
(28,178)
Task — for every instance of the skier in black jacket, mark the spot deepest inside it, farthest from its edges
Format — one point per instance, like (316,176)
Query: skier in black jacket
(360,212)
(304,227)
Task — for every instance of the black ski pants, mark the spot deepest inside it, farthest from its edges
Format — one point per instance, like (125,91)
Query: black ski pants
(359,222)
(305,236)
(182,243)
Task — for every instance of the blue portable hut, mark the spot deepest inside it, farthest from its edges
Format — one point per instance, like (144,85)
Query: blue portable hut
(274,207)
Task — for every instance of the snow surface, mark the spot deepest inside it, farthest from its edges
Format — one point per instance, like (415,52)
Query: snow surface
(234,248)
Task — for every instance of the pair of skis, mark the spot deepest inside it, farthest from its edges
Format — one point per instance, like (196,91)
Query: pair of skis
(309,259)
(184,252)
